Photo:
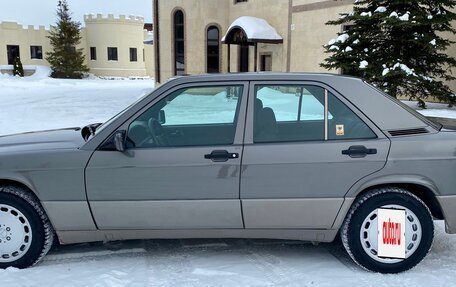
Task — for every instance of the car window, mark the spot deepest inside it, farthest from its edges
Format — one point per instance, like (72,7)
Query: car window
(198,116)
(345,124)
(289,113)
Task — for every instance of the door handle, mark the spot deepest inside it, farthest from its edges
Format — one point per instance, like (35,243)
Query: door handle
(221,156)
(359,151)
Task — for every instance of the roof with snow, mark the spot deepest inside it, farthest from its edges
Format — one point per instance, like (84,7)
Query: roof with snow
(149,39)
(253,30)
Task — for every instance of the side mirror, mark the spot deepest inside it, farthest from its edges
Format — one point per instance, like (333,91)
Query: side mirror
(120,140)
(162,117)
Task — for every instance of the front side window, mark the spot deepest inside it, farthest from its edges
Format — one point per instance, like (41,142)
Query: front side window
(36,52)
(290,113)
(112,54)
(203,116)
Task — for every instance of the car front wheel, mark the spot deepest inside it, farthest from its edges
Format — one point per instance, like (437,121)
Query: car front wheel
(360,231)
(26,234)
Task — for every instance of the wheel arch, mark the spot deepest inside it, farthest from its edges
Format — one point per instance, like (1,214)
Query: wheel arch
(420,187)
(18,183)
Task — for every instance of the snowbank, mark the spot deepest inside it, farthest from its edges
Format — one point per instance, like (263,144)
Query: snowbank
(39,72)
(39,103)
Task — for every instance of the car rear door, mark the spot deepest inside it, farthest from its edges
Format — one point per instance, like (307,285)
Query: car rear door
(181,168)
(305,146)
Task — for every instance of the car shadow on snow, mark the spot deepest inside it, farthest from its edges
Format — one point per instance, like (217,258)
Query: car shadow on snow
(265,250)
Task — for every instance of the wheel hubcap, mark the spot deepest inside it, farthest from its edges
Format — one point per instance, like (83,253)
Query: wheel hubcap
(369,234)
(15,234)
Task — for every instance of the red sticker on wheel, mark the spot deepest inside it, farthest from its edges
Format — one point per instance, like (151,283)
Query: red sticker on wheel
(391,233)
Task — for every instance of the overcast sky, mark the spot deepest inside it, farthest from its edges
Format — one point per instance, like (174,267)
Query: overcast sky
(42,12)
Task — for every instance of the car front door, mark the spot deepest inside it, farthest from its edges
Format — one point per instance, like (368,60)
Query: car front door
(181,166)
(305,147)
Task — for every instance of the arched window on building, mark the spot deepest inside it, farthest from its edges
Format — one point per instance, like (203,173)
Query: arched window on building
(179,43)
(213,50)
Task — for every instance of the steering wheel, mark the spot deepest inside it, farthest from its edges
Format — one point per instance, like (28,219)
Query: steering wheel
(158,133)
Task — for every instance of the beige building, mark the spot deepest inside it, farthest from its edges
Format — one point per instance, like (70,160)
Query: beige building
(29,43)
(113,46)
(195,37)
(200,36)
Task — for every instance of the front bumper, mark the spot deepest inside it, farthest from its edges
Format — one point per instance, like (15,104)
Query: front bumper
(448,204)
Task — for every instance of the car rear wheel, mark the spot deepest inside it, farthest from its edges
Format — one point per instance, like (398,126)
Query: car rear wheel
(360,230)
(26,234)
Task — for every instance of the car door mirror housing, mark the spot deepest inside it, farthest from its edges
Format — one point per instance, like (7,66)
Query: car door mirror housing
(116,142)
(119,140)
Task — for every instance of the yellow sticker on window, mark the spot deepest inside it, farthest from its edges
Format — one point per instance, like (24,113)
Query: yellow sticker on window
(340,130)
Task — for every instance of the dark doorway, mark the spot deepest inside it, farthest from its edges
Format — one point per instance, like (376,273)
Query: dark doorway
(179,43)
(213,50)
(13,53)
(243,58)
(266,63)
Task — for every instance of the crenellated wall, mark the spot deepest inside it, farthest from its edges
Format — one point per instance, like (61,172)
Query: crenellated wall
(111,18)
(123,32)
(100,31)
(12,33)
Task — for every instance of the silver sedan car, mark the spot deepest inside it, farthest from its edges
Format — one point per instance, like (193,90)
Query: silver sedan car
(282,156)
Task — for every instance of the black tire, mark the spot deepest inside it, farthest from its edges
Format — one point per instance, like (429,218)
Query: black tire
(363,206)
(41,229)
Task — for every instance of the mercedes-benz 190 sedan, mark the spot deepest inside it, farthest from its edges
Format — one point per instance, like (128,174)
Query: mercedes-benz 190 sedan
(282,156)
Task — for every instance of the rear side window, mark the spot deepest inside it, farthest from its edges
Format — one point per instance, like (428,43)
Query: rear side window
(344,123)
(291,113)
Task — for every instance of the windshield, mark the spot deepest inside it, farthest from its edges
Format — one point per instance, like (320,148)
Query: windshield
(426,120)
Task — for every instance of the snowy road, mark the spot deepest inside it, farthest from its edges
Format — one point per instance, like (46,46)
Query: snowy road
(225,263)
(38,104)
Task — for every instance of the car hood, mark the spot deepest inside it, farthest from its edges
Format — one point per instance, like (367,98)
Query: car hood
(69,138)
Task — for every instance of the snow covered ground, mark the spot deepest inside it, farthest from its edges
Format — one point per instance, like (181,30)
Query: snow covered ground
(38,103)
(435,110)
(225,263)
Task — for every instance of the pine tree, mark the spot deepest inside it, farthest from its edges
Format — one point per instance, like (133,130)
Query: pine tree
(18,69)
(397,45)
(66,60)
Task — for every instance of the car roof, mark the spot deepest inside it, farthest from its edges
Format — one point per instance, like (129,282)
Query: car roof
(259,76)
